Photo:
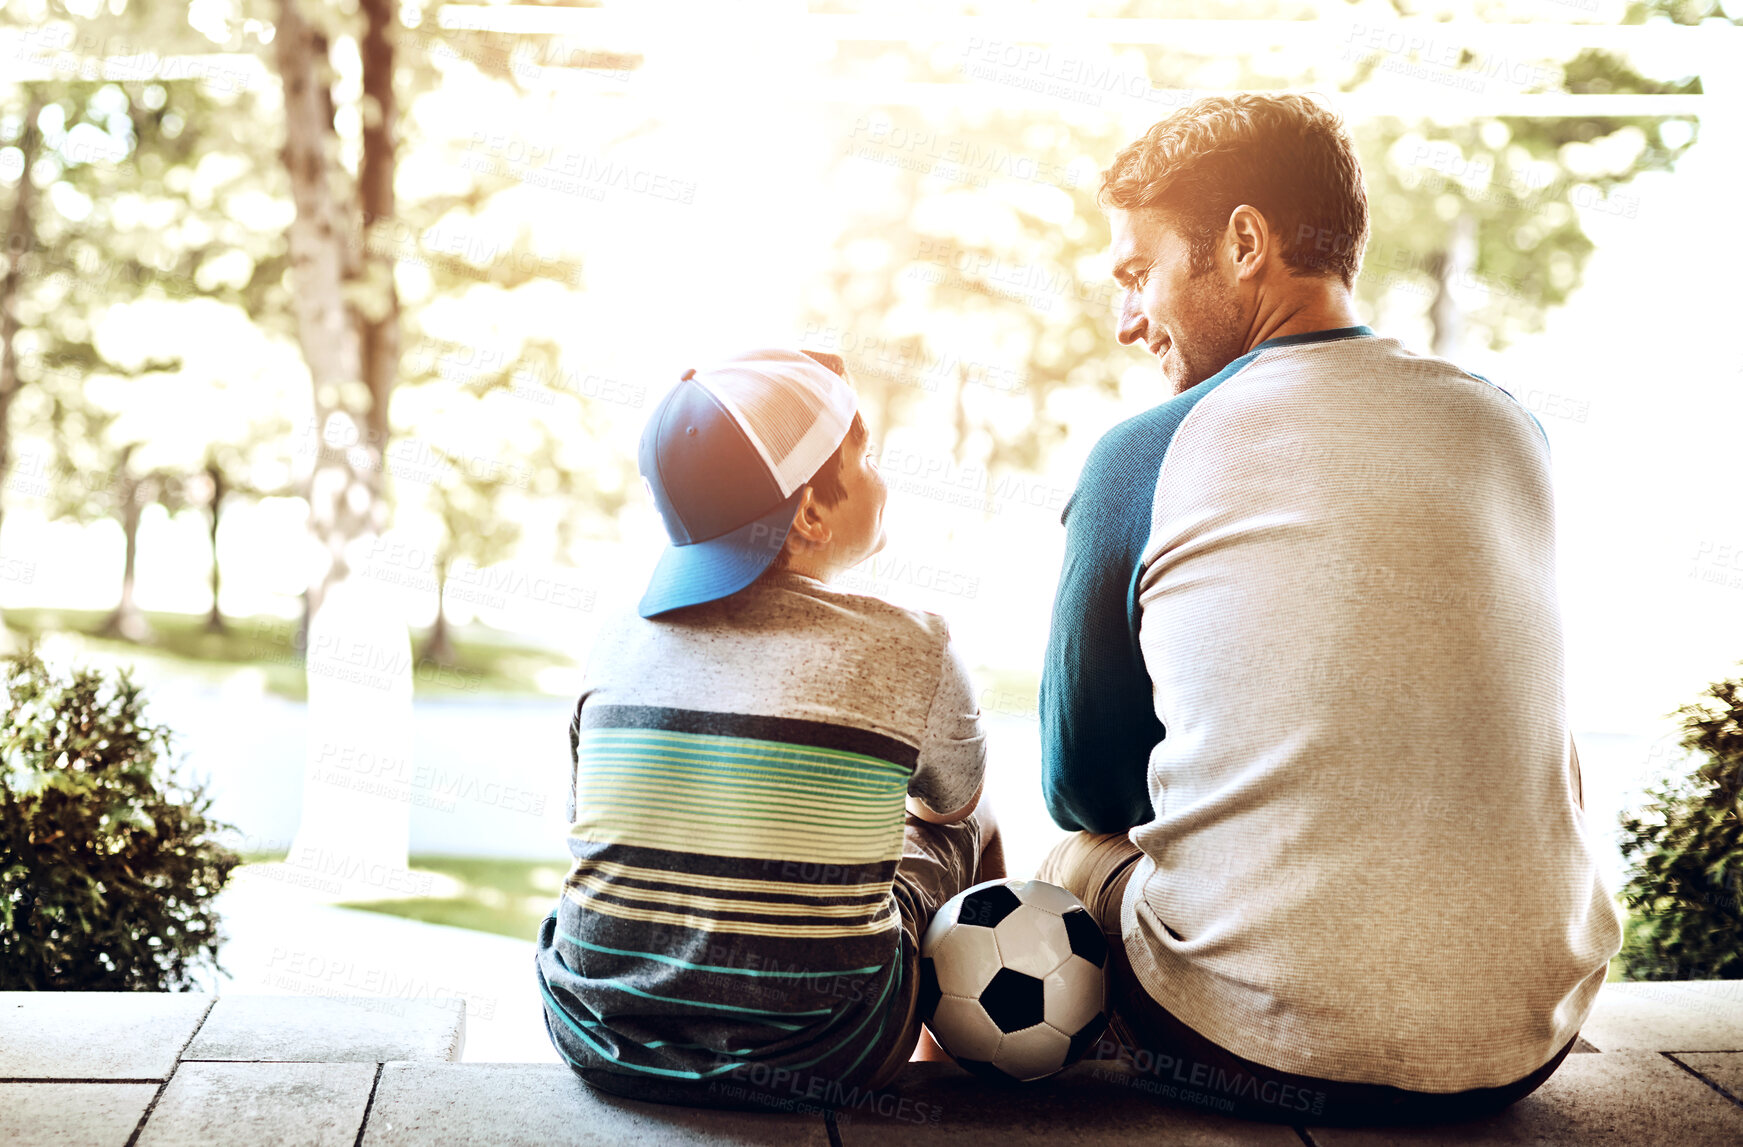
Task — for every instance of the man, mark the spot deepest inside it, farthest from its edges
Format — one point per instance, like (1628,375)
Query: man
(1303,697)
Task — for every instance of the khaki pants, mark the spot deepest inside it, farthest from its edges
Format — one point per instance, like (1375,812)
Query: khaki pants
(1189,1068)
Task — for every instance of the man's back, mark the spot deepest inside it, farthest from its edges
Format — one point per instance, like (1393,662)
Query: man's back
(1367,846)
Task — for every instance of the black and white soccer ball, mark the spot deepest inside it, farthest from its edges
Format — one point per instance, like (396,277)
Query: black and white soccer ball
(1013,979)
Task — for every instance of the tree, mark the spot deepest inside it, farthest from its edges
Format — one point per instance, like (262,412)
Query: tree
(1686,845)
(489,426)
(1480,217)
(122,190)
(108,866)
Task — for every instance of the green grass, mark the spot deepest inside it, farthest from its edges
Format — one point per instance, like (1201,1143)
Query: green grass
(507,897)
(486,661)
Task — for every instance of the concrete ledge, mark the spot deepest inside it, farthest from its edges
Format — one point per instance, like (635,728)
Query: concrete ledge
(1681,1015)
(1720,1069)
(65,1114)
(288,1104)
(1614,1099)
(164,1070)
(539,1104)
(96,1035)
(1089,1103)
(330,1030)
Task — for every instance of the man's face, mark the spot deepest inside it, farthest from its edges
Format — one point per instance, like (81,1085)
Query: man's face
(1195,326)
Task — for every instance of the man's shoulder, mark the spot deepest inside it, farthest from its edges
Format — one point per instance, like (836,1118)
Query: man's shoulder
(1124,462)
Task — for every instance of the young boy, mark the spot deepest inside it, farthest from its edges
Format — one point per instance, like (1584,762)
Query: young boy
(740,926)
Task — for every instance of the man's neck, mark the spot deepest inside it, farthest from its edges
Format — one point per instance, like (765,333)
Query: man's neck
(1324,310)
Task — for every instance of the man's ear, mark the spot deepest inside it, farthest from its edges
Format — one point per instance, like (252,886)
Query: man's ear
(1249,241)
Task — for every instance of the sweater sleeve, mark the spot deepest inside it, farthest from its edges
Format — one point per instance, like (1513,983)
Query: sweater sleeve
(1098,722)
(953,751)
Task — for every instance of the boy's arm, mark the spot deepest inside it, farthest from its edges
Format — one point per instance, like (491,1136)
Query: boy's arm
(1098,721)
(951,771)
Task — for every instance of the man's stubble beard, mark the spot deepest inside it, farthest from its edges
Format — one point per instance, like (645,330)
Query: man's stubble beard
(1215,314)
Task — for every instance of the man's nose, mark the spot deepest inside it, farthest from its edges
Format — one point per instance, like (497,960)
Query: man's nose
(1132,325)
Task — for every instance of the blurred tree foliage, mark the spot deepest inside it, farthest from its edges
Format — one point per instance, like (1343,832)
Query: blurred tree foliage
(984,225)
(1480,218)
(108,872)
(120,191)
(133,190)
(1686,845)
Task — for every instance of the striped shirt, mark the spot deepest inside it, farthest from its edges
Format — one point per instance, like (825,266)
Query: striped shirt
(1307,650)
(736,819)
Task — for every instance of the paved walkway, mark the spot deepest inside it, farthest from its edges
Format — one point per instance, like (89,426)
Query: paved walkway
(1663,1065)
(286,938)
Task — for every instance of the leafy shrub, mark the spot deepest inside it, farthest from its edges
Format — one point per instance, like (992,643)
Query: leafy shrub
(106,882)
(1687,850)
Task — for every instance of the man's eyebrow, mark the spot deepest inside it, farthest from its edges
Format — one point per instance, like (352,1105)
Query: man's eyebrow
(1124,267)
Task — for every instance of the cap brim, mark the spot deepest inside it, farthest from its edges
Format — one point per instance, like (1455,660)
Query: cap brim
(710,570)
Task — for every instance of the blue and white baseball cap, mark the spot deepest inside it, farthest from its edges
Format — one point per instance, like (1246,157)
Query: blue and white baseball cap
(726,453)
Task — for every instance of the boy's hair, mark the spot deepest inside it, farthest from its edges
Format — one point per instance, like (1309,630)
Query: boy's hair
(826,485)
(1286,155)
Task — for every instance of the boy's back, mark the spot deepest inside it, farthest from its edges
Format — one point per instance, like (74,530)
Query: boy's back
(737,818)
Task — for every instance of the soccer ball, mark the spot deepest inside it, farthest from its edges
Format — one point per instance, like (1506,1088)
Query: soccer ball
(1013,979)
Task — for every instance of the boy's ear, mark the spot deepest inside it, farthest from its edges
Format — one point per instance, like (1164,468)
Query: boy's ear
(808,524)
(833,361)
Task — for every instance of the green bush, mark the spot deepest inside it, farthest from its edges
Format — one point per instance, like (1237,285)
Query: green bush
(106,880)
(1687,851)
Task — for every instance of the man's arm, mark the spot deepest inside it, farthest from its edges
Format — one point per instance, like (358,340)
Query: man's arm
(1098,721)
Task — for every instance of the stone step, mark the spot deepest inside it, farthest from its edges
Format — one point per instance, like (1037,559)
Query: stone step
(1614,1099)
(163,1070)
(543,1104)
(331,1029)
(96,1035)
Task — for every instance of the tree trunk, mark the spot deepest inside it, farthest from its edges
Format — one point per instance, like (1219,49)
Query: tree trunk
(215,472)
(1454,267)
(439,647)
(126,622)
(378,317)
(344,499)
(20,238)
